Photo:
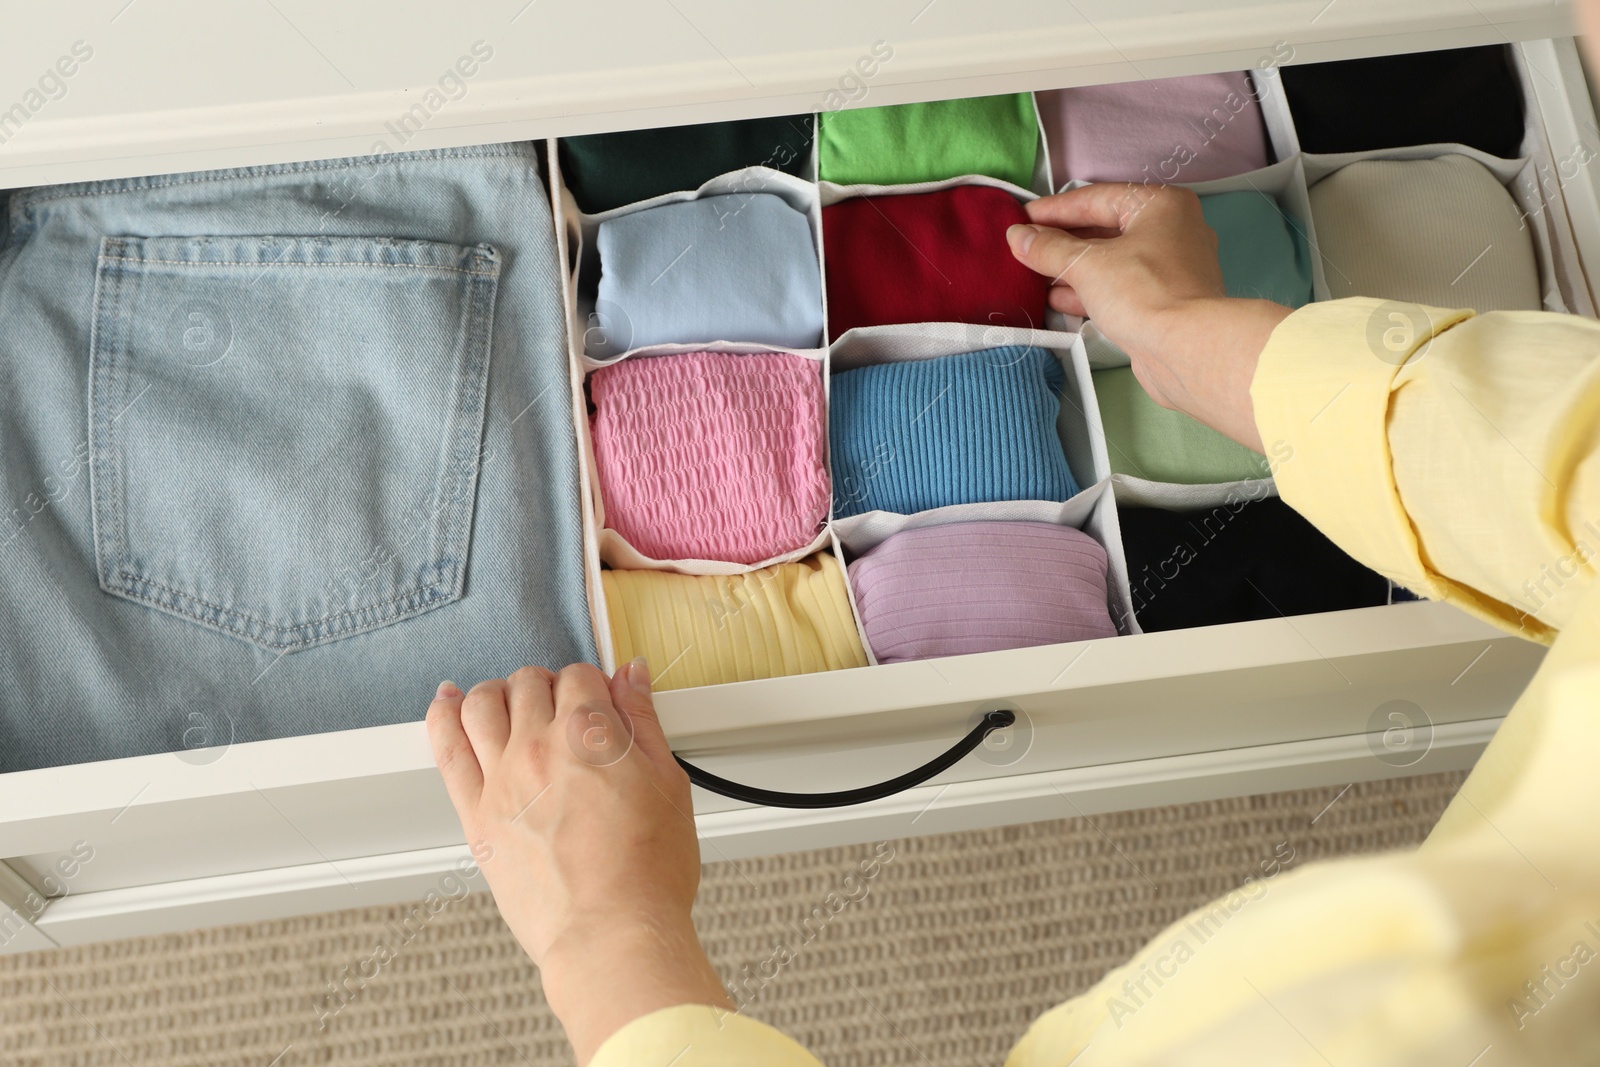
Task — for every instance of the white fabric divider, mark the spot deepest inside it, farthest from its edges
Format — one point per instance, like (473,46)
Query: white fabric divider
(1043,181)
(569,238)
(1275,114)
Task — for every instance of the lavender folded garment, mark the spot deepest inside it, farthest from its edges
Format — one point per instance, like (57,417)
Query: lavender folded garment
(710,455)
(980,587)
(1189,129)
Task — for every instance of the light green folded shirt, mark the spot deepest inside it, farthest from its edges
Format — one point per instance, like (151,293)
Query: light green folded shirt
(1149,441)
(906,143)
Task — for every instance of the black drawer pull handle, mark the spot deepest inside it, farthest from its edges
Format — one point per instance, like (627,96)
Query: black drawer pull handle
(772,798)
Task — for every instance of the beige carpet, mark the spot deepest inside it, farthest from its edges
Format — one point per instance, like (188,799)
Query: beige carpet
(957,943)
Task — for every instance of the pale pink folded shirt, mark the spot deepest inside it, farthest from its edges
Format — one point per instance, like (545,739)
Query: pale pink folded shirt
(713,456)
(1161,131)
(980,587)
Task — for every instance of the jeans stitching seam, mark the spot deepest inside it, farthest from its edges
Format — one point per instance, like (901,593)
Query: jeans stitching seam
(342,263)
(261,628)
(116,185)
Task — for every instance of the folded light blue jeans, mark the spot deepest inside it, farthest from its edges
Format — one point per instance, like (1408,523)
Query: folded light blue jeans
(280,448)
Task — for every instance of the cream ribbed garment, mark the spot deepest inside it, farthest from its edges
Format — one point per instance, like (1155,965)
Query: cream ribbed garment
(1442,232)
(791,618)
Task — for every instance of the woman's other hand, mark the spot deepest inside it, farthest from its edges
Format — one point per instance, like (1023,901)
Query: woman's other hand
(581,819)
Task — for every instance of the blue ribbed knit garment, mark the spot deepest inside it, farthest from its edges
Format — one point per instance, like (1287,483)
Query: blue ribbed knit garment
(964,429)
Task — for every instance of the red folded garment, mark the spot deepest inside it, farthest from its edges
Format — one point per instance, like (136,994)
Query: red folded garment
(928,257)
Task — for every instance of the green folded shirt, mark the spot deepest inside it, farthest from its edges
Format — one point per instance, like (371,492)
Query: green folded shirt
(607,170)
(906,143)
(1149,441)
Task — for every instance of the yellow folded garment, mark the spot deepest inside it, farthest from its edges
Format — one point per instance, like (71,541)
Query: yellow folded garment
(790,618)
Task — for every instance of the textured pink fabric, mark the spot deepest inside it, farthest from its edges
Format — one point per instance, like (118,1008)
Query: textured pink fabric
(1189,129)
(709,455)
(980,587)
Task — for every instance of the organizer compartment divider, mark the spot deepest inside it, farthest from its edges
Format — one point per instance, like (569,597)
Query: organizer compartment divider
(1043,180)
(1274,102)
(569,246)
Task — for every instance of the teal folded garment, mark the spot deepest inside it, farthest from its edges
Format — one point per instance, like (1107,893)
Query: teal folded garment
(903,144)
(1149,441)
(1264,253)
(964,429)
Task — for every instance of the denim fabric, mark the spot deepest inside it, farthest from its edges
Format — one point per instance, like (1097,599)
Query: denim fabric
(280,448)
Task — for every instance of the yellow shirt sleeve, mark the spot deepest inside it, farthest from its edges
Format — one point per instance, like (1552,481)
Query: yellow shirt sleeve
(1462,462)
(1454,453)
(697,1035)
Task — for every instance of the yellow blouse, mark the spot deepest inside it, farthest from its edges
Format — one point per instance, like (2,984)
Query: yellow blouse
(1466,466)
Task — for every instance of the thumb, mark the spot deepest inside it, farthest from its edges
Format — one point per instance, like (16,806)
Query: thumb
(630,691)
(1047,250)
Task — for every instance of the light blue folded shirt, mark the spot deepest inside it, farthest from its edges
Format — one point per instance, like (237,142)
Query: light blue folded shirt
(739,267)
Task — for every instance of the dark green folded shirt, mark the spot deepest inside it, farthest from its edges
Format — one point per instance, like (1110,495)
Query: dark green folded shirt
(607,170)
(906,143)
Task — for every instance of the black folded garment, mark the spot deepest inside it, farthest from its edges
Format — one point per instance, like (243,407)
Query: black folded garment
(1464,96)
(607,170)
(1236,562)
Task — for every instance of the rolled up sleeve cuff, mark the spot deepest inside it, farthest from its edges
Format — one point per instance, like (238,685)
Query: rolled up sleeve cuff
(1322,391)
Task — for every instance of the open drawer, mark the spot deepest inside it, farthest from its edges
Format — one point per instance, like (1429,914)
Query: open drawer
(269,828)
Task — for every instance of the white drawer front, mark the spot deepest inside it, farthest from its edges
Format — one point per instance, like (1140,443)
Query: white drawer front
(341,819)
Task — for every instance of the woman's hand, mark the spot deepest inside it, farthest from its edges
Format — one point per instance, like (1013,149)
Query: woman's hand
(1142,263)
(591,848)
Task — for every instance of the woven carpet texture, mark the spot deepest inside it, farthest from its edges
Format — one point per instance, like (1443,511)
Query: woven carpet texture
(942,957)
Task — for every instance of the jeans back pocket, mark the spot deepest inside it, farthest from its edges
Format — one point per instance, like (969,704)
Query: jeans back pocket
(285,431)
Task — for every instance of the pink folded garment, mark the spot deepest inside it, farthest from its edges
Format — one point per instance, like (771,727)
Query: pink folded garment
(709,455)
(1168,130)
(980,587)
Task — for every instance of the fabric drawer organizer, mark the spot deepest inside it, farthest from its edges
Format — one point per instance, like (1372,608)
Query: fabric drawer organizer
(1251,125)
(1260,181)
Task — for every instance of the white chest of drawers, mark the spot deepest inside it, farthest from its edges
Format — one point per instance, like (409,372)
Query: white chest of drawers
(336,820)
